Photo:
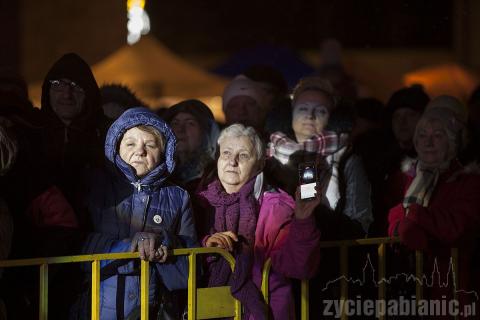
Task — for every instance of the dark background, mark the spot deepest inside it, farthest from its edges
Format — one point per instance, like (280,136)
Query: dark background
(403,35)
(216,25)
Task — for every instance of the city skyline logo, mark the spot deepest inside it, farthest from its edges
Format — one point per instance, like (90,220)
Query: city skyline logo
(409,277)
(401,305)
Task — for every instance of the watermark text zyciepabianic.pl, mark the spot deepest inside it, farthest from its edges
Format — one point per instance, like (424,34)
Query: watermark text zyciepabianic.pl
(402,306)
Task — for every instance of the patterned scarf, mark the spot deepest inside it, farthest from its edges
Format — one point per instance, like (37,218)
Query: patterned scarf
(422,187)
(281,147)
(236,212)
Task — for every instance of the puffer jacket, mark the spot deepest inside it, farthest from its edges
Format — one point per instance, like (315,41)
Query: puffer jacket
(122,204)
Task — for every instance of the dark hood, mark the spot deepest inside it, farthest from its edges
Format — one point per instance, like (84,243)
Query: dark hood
(72,67)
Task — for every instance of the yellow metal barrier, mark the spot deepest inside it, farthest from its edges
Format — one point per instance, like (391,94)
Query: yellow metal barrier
(95,259)
(43,291)
(381,247)
(344,246)
(200,300)
(194,312)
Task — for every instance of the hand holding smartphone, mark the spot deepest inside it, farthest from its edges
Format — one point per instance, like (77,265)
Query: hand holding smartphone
(307,174)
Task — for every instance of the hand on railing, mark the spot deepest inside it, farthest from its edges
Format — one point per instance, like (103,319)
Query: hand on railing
(224,240)
(149,247)
(305,208)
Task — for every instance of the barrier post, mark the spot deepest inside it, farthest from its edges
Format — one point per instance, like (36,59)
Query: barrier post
(43,308)
(265,284)
(96,290)
(305,302)
(144,288)
(192,286)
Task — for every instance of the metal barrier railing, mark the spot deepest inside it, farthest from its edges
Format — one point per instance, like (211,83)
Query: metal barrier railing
(343,246)
(381,249)
(192,281)
(95,259)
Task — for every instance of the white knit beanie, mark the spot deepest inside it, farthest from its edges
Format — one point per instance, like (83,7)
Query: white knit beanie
(243,86)
(454,128)
(457,120)
(451,103)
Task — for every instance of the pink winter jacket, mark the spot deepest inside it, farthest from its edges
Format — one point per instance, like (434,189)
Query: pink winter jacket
(291,244)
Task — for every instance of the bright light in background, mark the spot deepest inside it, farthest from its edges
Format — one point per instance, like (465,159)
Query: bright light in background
(138,20)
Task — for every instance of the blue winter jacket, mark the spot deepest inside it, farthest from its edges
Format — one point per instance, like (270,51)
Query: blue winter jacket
(122,204)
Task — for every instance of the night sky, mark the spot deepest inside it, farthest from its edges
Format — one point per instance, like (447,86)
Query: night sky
(219,25)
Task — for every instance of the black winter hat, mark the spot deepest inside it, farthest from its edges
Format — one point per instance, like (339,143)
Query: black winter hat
(197,108)
(413,97)
(369,108)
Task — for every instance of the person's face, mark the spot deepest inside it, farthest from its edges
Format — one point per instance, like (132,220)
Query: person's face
(310,114)
(244,110)
(432,143)
(67,99)
(141,150)
(188,132)
(404,121)
(237,163)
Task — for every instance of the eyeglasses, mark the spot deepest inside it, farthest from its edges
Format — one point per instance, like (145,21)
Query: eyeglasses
(62,85)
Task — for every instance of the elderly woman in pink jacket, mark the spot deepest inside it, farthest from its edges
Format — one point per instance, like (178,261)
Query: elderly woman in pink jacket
(255,222)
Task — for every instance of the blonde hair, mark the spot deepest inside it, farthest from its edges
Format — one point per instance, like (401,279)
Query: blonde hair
(315,84)
(154,131)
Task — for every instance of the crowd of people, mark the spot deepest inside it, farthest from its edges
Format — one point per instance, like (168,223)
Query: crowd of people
(96,170)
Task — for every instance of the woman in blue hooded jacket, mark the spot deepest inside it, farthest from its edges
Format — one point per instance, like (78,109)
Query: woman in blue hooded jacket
(133,207)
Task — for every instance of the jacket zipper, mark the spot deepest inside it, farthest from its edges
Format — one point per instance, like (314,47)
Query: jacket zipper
(144,222)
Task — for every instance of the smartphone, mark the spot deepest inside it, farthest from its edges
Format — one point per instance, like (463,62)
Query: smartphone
(307,174)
